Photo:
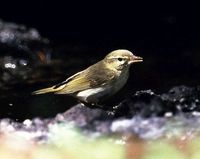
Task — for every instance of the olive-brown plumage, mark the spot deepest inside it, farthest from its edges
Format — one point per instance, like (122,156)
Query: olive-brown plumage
(98,81)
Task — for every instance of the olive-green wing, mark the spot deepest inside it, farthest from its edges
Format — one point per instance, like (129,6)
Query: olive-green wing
(92,77)
(67,80)
(58,87)
(73,85)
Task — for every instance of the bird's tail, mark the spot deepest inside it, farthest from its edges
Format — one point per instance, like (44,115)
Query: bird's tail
(47,90)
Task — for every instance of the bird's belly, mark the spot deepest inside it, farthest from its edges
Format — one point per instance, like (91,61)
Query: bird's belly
(93,95)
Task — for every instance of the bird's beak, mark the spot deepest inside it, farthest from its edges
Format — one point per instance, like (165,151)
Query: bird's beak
(134,59)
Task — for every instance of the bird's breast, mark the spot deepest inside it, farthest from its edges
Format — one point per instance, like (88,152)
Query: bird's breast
(121,81)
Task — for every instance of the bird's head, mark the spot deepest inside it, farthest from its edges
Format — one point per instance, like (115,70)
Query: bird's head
(121,59)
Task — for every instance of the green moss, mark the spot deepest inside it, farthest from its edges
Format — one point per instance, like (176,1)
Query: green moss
(71,142)
(194,147)
(162,150)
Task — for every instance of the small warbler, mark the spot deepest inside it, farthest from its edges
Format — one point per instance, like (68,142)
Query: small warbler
(99,81)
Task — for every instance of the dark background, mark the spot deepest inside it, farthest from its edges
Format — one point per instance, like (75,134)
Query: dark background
(165,34)
(118,23)
(139,25)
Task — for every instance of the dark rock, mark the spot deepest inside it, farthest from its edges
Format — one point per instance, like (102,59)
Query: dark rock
(94,119)
(22,49)
(185,99)
(144,114)
(19,36)
(147,103)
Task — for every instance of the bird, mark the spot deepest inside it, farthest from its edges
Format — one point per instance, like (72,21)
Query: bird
(99,81)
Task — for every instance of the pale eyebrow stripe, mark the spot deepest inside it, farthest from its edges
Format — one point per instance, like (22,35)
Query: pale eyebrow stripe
(115,57)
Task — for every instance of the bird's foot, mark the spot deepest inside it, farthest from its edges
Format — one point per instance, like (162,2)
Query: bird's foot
(111,113)
(113,110)
(116,107)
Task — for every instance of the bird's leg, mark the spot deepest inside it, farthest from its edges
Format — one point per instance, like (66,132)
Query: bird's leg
(96,105)
(105,108)
(109,112)
(92,105)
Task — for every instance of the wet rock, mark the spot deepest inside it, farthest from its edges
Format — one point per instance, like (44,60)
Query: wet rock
(158,127)
(94,119)
(144,103)
(22,49)
(147,103)
(146,128)
(185,99)
(16,35)
(145,114)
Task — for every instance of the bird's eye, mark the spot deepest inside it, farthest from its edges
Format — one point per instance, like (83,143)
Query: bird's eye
(119,59)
